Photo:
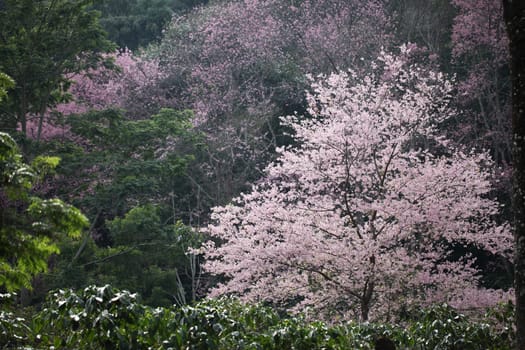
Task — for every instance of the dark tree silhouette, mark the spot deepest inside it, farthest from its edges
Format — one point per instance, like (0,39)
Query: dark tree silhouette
(514,14)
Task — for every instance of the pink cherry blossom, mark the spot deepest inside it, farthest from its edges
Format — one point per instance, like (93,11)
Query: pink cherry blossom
(239,54)
(361,219)
(135,87)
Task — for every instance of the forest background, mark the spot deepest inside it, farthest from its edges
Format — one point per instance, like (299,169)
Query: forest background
(146,115)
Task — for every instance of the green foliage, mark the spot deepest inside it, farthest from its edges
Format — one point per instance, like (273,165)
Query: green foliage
(14,328)
(28,223)
(5,83)
(129,162)
(219,324)
(105,318)
(441,327)
(151,257)
(129,176)
(136,23)
(95,318)
(53,215)
(147,256)
(45,165)
(17,177)
(140,224)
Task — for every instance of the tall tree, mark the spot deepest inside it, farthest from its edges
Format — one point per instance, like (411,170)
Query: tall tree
(368,215)
(40,42)
(514,14)
(120,164)
(130,177)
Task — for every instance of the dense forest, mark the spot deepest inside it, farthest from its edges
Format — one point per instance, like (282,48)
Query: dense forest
(256,174)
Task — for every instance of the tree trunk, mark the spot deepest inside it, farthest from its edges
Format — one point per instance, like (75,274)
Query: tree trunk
(514,15)
(366,298)
(41,117)
(42,114)
(22,114)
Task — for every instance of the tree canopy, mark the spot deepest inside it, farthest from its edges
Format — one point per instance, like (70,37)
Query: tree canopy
(363,218)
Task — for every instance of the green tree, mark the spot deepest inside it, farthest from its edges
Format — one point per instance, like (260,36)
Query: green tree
(136,23)
(130,177)
(29,224)
(40,43)
(147,256)
(130,163)
(160,268)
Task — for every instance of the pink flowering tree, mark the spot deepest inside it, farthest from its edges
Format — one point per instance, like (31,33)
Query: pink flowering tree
(363,219)
(133,84)
(240,64)
(240,54)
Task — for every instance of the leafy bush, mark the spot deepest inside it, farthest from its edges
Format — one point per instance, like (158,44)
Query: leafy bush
(441,327)
(106,318)
(14,330)
(95,318)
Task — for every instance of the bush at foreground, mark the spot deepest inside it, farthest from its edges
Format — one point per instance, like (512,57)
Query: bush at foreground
(106,318)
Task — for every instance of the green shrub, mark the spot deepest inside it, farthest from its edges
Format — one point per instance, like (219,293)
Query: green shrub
(106,318)
(14,330)
(441,327)
(95,318)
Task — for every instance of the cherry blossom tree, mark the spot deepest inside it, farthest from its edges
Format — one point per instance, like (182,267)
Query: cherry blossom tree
(238,54)
(241,64)
(133,84)
(367,216)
